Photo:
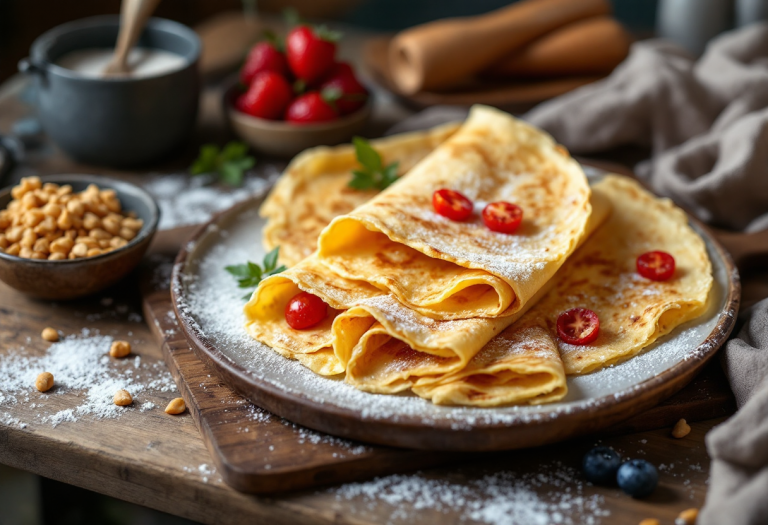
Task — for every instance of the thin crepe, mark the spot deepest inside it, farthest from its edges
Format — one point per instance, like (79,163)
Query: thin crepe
(314,189)
(454,270)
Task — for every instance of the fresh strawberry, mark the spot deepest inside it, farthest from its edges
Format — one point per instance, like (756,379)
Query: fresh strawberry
(267,97)
(264,56)
(310,108)
(310,52)
(353,93)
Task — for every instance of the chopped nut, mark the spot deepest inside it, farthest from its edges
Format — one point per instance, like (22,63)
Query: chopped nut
(99,234)
(52,210)
(50,334)
(650,521)
(120,349)
(111,224)
(64,221)
(41,245)
(681,429)
(93,252)
(28,239)
(133,224)
(127,233)
(62,245)
(76,208)
(79,250)
(33,217)
(38,255)
(91,221)
(25,252)
(176,406)
(687,517)
(44,382)
(13,249)
(122,398)
(4,242)
(117,242)
(57,257)
(47,225)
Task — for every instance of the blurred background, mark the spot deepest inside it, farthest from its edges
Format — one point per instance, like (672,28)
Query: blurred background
(21,21)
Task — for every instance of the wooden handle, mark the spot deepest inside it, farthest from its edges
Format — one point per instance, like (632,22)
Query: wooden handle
(589,47)
(133,15)
(441,54)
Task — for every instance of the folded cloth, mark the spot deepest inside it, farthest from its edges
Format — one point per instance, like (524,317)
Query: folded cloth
(706,123)
(739,447)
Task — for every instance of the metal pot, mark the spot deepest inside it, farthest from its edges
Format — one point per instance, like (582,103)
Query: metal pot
(115,121)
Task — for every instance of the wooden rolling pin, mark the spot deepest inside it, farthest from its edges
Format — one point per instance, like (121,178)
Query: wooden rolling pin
(589,47)
(444,53)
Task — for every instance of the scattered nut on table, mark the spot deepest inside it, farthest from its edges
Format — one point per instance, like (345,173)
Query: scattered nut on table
(50,334)
(650,521)
(123,398)
(687,517)
(48,221)
(120,349)
(44,382)
(681,429)
(176,406)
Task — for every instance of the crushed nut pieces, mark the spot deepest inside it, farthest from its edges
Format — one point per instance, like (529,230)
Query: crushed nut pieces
(123,398)
(48,221)
(120,349)
(176,406)
(650,521)
(44,382)
(681,429)
(50,334)
(687,517)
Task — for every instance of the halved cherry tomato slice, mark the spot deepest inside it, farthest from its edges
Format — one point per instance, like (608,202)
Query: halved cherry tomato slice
(304,310)
(578,326)
(451,204)
(502,217)
(656,266)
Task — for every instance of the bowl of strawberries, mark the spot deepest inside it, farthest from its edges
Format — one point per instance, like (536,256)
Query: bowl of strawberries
(295,95)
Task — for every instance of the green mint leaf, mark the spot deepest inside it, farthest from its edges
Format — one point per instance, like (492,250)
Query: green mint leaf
(327,34)
(206,161)
(254,269)
(390,176)
(231,174)
(247,297)
(238,270)
(271,37)
(275,271)
(361,180)
(270,260)
(368,157)
(233,151)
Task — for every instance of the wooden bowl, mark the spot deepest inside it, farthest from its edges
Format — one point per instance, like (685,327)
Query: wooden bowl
(283,139)
(69,279)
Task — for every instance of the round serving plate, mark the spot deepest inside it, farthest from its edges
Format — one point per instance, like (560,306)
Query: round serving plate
(209,306)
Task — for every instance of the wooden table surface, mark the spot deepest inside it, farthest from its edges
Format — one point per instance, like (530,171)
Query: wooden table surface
(157,460)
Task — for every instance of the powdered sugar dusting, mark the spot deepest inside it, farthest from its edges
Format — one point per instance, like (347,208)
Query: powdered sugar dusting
(554,494)
(80,364)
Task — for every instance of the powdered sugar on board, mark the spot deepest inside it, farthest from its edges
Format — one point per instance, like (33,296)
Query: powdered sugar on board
(211,303)
(185,200)
(552,494)
(80,365)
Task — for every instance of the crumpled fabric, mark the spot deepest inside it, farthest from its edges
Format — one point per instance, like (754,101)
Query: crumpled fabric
(705,122)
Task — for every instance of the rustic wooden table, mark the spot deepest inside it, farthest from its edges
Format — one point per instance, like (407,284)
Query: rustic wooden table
(144,456)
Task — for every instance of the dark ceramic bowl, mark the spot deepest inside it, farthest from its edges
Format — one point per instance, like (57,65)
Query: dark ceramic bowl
(74,278)
(115,121)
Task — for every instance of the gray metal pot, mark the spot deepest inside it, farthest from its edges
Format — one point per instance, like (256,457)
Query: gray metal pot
(115,121)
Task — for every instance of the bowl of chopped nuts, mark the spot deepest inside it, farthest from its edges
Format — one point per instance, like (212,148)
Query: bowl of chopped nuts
(67,236)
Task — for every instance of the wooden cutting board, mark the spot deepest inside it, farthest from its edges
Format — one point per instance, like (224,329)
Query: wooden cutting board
(258,452)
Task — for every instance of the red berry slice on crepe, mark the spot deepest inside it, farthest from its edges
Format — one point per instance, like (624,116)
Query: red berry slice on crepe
(451,204)
(264,56)
(656,266)
(310,52)
(267,97)
(304,310)
(578,326)
(310,108)
(353,93)
(502,217)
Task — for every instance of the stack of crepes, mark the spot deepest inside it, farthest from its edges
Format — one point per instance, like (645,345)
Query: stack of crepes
(446,309)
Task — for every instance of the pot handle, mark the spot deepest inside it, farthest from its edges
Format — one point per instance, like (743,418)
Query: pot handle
(29,67)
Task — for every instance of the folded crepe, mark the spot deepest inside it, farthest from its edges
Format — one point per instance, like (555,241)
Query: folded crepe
(455,270)
(314,189)
(601,276)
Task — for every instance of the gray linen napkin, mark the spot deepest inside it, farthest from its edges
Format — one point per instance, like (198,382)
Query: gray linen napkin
(706,124)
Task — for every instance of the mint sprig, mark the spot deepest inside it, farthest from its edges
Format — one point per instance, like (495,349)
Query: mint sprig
(228,164)
(373,175)
(250,274)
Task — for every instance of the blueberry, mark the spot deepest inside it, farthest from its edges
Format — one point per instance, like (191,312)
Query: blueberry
(637,477)
(600,465)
